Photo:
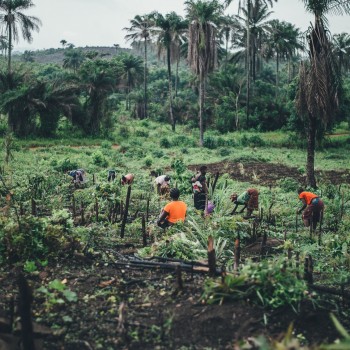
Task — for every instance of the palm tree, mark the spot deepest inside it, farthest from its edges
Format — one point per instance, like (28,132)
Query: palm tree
(140,32)
(13,19)
(3,44)
(282,43)
(132,73)
(341,49)
(203,16)
(248,5)
(63,42)
(168,30)
(73,59)
(319,83)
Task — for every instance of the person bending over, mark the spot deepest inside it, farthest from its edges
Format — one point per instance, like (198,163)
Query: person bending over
(249,199)
(127,179)
(173,212)
(312,208)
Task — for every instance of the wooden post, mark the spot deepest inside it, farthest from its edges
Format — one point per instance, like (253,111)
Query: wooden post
(147,209)
(73,206)
(320,233)
(144,233)
(25,302)
(179,278)
(96,208)
(82,213)
(297,264)
(128,195)
(93,179)
(34,208)
(308,269)
(214,183)
(211,256)
(237,253)
(285,234)
(263,243)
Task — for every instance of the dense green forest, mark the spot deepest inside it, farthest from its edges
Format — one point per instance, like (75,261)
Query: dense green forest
(83,263)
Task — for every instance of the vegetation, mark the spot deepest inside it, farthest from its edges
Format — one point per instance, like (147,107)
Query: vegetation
(229,87)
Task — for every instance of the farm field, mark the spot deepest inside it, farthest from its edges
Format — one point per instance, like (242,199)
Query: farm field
(104,276)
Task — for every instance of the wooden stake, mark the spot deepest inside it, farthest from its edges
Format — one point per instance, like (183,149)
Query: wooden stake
(308,269)
(93,179)
(25,302)
(179,278)
(34,211)
(147,209)
(128,195)
(96,208)
(144,233)
(237,253)
(211,256)
(82,213)
(297,264)
(214,183)
(73,206)
(263,243)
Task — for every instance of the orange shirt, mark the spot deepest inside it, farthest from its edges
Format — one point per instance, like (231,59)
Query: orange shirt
(176,210)
(307,196)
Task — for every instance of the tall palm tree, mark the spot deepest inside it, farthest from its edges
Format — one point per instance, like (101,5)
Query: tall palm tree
(132,73)
(13,19)
(341,49)
(203,16)
(140,32)
(283,42)
(319,83)
(168,30)
(248,5)
(73,58)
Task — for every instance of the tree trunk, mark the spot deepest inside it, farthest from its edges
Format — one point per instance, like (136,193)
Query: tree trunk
(9,68)
(311,144)
(145,81)
(172,118)
(248,66)
(201,107)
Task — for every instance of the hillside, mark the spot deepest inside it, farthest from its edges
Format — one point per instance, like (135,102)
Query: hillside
(57,55)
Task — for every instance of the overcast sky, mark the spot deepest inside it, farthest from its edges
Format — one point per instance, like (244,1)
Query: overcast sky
(101,22)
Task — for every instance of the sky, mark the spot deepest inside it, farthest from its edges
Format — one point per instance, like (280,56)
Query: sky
(101,22)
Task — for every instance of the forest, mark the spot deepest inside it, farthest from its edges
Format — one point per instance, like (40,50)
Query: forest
(258,104)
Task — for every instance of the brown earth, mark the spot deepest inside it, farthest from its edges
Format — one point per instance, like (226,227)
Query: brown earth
(157,314)
(269,174)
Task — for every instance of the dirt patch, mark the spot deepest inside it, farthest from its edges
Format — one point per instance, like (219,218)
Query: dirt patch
(157,314)
(269,174)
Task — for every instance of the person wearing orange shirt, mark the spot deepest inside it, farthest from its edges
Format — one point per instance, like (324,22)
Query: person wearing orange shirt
(173,212)
(312,207)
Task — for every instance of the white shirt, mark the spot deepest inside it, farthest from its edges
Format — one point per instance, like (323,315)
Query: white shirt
(160,180)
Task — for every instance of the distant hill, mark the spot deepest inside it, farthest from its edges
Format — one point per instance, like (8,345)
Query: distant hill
(57,55)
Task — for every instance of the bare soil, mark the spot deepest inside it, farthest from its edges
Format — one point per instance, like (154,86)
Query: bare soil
(269,174)
(157,314)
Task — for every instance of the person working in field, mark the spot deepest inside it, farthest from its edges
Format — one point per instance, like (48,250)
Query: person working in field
(111,175)
(163,184)
(173,212)
(312,208)
(78,176)
(127,179)
(249,199)
(200,188)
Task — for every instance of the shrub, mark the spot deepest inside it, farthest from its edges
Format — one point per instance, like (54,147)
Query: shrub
(99,159)
(288,184)
(164,143)
(64,164)
(141,133)
(148,161)
(124,131)
(210,142)
(106,144)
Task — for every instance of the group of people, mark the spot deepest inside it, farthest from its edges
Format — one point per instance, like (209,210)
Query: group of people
(312,208)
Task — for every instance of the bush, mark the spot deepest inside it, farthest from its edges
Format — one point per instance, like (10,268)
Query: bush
(99,159)
(210,142)
(124,131)
(288,184)
(106,144)
(148,161)
(64,165)
(141,133)
(164,143)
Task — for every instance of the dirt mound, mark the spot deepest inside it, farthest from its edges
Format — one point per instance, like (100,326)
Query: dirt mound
(269,174)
